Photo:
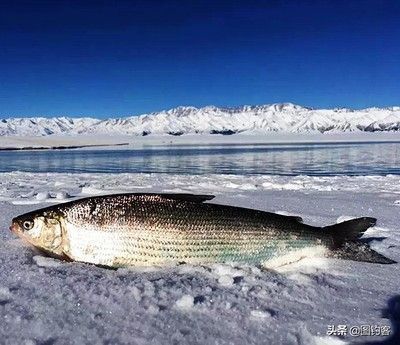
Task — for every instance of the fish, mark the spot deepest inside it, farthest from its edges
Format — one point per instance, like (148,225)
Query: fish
(150,229)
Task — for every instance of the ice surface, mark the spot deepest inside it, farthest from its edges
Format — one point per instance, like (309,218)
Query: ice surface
(43,261)
(111,141)
(47,301)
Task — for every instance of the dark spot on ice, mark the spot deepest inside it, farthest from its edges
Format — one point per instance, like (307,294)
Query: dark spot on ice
(113,341)
(391,312)
(325,280)
(184,331)
(237,280)
(199,299)
(14,288)
(223,132)
(368,240)
(256,289)
(49,341)
(271,312)
(207,269)
(98,316)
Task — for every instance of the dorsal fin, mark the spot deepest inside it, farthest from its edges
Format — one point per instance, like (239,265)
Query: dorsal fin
(188,197)
(299,219)
(287,216)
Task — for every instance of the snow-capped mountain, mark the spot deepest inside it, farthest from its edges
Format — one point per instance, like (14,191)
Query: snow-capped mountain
(282,117)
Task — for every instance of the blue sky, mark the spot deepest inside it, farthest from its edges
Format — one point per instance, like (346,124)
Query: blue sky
(113,58)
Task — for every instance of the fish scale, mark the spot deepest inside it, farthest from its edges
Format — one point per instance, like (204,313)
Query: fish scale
(151,229)
(160,229)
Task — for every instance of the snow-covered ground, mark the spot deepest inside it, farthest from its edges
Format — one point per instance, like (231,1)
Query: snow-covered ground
(261,119)
(47,301)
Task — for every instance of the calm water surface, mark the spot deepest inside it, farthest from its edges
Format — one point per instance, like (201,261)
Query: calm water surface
(305,159)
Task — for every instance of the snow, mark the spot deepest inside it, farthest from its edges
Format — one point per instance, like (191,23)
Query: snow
(62,195)
(185,302)
(260,314)
(45,300)
(43,196)
(262,119)
(5,295)
(23,187)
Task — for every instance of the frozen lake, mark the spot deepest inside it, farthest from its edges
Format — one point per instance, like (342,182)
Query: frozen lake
(42,300)
(48,301)
(283,159)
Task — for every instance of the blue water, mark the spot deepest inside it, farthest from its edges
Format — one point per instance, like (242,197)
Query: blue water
(305,159)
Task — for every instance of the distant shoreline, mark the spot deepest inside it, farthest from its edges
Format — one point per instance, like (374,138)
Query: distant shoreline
(63,142)
(41,148)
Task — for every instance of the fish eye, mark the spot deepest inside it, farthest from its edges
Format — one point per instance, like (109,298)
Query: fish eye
(28,224)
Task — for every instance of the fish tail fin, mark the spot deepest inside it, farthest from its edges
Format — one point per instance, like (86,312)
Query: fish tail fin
(345,242)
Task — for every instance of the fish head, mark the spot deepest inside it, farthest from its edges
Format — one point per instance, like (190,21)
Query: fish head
(42,229)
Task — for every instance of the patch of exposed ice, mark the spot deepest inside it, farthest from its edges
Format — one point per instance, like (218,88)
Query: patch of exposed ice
(25,202)
(5,294)
(248,186)
(44,261)
(62,195)
(41,196)
(29,342)
(136,293)
(225,280)
(185,302)
(262,314)
(286,213)
(282,186)
(341,219)
(89,190)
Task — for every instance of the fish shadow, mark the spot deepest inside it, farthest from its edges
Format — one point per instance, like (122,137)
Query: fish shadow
(368,240)
(392,312)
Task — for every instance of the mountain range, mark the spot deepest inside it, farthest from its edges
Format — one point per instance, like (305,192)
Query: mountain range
(280,117)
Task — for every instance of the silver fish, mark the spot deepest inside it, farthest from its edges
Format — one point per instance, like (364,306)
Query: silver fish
(161,229)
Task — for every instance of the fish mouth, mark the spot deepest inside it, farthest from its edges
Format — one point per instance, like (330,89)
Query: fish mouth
(14,227)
